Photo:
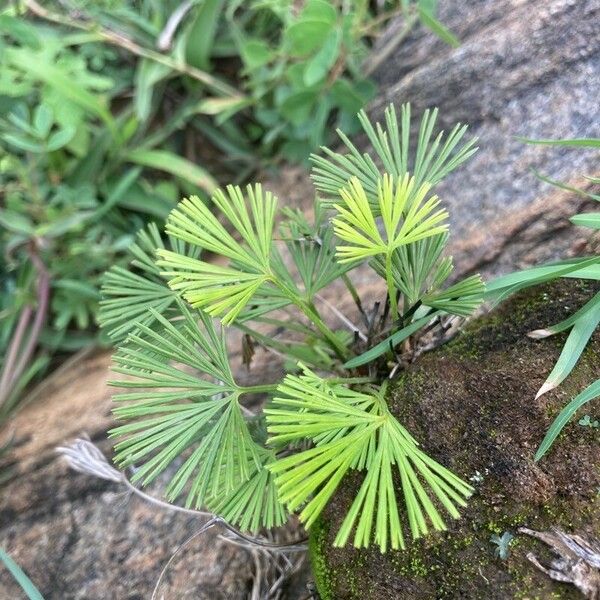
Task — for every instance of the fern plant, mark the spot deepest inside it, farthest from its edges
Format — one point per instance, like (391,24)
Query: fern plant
(242,263)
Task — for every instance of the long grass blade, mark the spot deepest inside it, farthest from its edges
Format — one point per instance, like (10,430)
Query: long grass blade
(590,393)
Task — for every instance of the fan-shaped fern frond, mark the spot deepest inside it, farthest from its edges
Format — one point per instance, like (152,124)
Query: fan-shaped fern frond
(222,291)
(180,400)
(254,503)
(130,295)
(355,430)
(406,217)
(312,248)
(188,402)
(434,158)
(460,299)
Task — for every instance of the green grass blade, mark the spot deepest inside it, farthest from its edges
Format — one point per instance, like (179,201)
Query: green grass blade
(574,346)
(539,334)
(26,584)
(438,28)
(590,393)
(587,220)
(392,340)
(201,35)
(169,162)
(564,186)
(501,287)
(575,142)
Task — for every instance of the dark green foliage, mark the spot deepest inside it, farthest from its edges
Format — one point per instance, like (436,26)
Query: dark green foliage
(112,110)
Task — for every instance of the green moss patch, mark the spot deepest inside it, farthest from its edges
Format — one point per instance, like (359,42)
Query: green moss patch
(471,405)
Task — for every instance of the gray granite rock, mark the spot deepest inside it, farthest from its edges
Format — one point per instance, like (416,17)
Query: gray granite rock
(526,68)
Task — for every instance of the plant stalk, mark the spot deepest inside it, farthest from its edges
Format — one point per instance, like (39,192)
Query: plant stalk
(260,389)
(121,41)
(389,278)
(328,334)
(20,352)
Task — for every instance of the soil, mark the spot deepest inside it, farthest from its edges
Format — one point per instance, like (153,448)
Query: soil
(471,405)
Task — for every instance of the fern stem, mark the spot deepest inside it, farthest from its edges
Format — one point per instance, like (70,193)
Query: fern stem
(328,334)
(259,389)
(350,287)
(309,310)
(389,278)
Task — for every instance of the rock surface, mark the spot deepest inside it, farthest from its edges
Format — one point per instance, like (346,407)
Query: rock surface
(524,68)
(471,404)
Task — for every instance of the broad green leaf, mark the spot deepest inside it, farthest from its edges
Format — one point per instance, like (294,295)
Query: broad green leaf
(319,9)
(201,36)
(147,75)
(43,118)
(306,35)
(20,30)
(16,222)
(255,53)
(163,160)
(60,138)
(590,393)
(216,106)
(298,106)
(23,143)
(61,83)
(319,65)
(60,226)
(349,95)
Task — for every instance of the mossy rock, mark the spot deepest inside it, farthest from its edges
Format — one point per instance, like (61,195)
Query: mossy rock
(471,405)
